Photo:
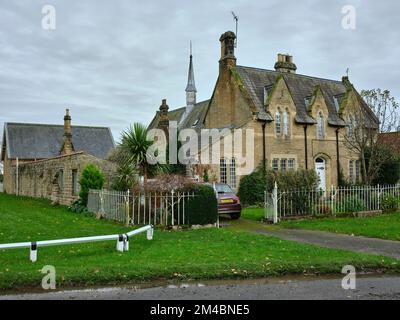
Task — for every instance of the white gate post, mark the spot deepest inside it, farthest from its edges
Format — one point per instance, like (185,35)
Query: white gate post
(33,252)
(172,207)
(379,197)
(150,233)
(127,209)
(120,243)
(275,200)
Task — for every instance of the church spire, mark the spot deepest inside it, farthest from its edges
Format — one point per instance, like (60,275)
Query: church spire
(191,87)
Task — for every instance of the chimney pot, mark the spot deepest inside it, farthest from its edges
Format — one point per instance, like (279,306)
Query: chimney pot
(285,64)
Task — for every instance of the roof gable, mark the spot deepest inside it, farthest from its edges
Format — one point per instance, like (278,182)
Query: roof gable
(41,141)
(193,120)
(300,87)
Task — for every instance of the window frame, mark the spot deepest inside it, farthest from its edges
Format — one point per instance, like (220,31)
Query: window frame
(232,173)
(351,171)
(291,164)
(320,126)
(275,164)
(357,171)
(278,123)
(74,181)
(283,164)
(61,179)
(285,122)
(223,177)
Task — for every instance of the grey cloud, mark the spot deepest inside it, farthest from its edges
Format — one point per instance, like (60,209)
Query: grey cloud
(112,62)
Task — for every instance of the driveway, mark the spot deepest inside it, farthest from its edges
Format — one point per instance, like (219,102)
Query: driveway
(262,289)
(326,239)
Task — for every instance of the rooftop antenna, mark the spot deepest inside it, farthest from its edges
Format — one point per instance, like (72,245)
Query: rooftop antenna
(236,18)
(190,47)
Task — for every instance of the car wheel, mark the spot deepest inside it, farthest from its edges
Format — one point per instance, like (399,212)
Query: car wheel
(235,216)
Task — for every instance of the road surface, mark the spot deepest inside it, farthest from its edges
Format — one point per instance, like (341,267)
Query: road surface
(375,288)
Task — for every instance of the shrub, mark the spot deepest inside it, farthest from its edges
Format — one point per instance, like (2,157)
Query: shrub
(389,202)
(352,204)
(203,208)
(205,176)
(78,207)
(167,183)
(297,180)
(252,186)
(91,178)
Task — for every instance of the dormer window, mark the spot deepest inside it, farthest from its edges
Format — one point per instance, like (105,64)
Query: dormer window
(267,91)
(320,126)
(307,101)
(336,101)
(350,126)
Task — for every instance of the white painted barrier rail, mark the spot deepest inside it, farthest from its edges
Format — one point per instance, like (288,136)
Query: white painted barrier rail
(122,241)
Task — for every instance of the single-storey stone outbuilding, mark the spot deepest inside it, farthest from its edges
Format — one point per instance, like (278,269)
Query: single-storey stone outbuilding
(46,161)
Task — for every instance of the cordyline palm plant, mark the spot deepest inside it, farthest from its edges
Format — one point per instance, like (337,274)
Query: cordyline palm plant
(133,146)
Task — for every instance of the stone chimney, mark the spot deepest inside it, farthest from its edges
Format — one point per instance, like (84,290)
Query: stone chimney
(164,121)
(228,59)
(67,147)
(285,64)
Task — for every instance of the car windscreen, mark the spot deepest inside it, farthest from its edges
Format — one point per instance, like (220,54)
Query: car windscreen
(223,188)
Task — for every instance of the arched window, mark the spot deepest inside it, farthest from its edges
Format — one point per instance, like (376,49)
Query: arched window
(232,173)
(278,123)
(350,126)
(285,123)
(222,170)
(320,126)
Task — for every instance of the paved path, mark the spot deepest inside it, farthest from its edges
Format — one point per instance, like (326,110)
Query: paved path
(275,289)
(328,239)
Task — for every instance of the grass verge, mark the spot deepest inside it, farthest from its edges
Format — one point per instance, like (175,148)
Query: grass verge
(195,254)
(385,226)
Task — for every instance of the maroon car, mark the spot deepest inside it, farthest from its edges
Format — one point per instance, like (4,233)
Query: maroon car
(228,201)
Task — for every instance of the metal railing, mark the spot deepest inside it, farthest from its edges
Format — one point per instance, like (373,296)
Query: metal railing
(156,208)
(122,241)
(281,204)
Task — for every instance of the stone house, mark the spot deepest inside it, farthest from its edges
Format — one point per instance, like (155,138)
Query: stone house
(299,121)
(46,161)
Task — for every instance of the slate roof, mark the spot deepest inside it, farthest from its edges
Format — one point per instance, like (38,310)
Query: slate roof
(42,141)
(300,86)
(193,120)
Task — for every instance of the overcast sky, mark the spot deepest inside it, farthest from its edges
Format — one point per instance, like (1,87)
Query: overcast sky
(111,62)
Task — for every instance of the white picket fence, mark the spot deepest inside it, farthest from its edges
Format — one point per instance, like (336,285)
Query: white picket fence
(290,203)
(155,208)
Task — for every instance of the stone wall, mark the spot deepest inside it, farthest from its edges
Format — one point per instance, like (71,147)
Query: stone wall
(53,178)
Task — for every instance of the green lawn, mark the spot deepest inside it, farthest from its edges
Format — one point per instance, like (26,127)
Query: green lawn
(253,213)
(385,226)
(197,254)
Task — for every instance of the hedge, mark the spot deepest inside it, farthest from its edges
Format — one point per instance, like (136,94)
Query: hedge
(203,207)
(252,186)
